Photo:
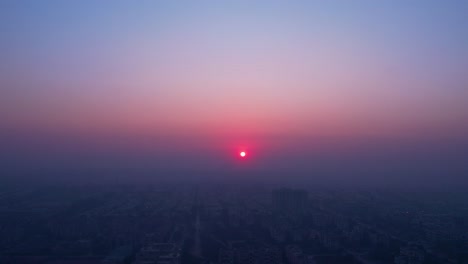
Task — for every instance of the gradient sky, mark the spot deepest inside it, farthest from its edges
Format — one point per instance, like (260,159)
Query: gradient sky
(302,86)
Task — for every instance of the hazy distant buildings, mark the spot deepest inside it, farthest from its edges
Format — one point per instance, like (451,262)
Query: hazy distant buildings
(249,253)
(242,225)
(119,255)
(158,253)
(411,254)
(289,201)
(294,255)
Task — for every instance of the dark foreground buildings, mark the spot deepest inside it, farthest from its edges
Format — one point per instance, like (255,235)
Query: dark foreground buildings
(222,224)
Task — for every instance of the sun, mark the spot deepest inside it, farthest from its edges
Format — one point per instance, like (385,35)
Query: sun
(242,154)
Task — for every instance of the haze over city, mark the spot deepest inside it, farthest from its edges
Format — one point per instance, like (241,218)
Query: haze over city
(233,132)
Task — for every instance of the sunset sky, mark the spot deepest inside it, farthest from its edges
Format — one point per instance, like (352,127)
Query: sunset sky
(300,86)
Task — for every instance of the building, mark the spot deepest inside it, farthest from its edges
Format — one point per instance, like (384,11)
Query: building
(289,201)
(158,253)
(411,254)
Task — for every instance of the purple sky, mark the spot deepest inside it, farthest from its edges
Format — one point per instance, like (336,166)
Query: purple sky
(300,85)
